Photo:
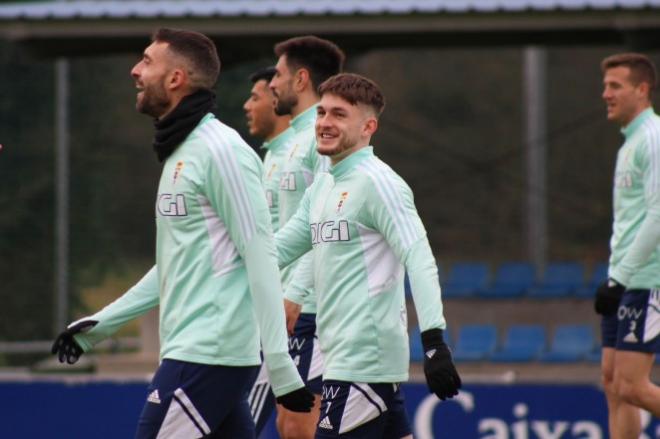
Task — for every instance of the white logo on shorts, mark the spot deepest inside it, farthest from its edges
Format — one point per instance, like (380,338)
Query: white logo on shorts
(325,423)
(153,397)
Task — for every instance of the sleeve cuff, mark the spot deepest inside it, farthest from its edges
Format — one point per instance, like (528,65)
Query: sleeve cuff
(295,295)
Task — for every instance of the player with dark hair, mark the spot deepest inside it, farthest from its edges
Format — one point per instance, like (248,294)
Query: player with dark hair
(259,110)
(361,225)
(215,278)
(629,300)
(274,130)
(303,63)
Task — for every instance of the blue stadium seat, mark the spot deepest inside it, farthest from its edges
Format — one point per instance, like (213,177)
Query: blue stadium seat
(512,279)
(570,343)
(598,275)
(560,279)
(465,279)
(594,356)
(522,343)
(475,342)
(416,349)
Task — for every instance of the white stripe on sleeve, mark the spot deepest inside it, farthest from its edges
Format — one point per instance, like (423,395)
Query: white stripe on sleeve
(227,164)
(653,150)
(381,176)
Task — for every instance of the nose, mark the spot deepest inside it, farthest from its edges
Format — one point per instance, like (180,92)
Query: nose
(135,71)
(246,106)
(321,122)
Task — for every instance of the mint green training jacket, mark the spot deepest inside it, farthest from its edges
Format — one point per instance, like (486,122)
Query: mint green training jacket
(362,226)
(216,278)
(635,257)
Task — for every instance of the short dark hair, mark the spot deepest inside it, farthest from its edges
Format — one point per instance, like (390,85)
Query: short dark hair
(198,50)
(355,89)
(641,67)
(264,74)
(322,58)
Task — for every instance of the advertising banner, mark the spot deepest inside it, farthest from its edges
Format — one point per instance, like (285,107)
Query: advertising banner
(110,410)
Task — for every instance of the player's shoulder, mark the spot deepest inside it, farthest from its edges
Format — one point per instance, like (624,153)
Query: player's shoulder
(307,139)
(381,175)
(650,130)
(223,143)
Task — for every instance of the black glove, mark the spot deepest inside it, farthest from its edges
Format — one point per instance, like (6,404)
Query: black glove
(65,345)
(608,297)
(441,375)
(300,400)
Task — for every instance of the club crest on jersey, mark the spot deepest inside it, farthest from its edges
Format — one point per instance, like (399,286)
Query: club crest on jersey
(344,195)
(293,152)
(270,171)
(177,171)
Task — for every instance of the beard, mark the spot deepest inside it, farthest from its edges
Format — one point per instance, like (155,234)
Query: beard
(261,128)
(154,101)
(284,104)
(344,144)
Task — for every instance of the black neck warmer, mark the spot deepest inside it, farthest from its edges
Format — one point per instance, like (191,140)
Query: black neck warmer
(175,127)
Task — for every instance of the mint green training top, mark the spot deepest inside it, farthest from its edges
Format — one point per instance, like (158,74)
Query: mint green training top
(216,278)
(635,256)
(277,150)
(299,169)
(363,228)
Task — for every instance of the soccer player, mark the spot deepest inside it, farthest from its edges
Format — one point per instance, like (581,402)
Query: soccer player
(303,64)
(276,133)
(215,277)
(362,227)
(629,300)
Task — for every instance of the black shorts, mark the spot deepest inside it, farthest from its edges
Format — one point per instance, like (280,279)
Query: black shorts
(189,400)
(639,321)
(361,410)
(306,353)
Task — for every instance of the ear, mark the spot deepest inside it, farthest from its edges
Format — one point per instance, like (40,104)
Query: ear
(301,80)
(370,126)
(177,79)
(644,89)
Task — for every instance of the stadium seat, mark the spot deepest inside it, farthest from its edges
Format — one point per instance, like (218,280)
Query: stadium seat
(594,356)
(475,342)
(522,343)
(465,279)
(512,279)
(570,343)
(598,275)
(559,280)
(416,349)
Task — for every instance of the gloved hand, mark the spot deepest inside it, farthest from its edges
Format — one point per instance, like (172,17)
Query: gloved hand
(608,297)
(65,345)
(300,400)
(441,375)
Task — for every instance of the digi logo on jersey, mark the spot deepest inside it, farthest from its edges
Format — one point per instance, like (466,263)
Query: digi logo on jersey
(172,205)
(288,181)
(623,179)
(330,231)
